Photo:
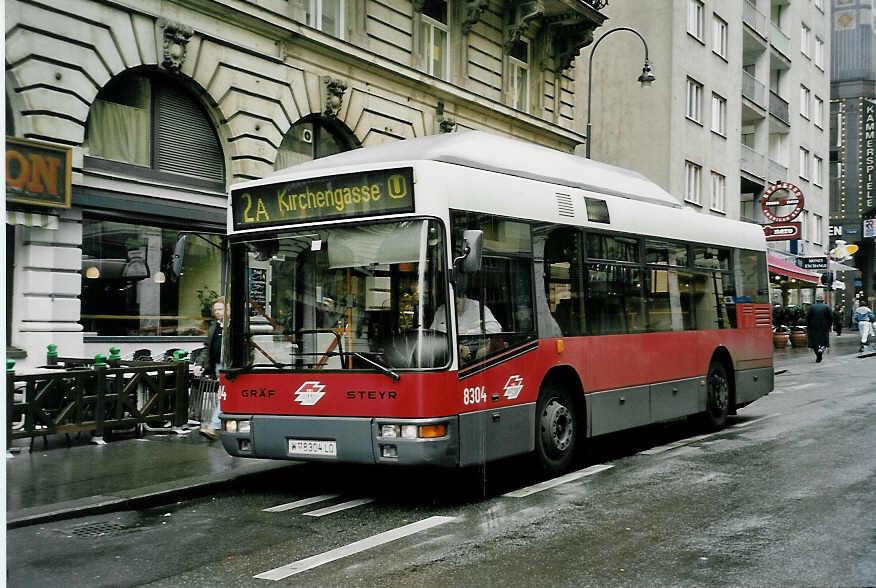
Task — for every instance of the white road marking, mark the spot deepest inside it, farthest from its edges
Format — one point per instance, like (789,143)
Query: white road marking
(338,507)
(763,418)
(683,442)
(675,444)
(309,563)
(557,481)
(302,502)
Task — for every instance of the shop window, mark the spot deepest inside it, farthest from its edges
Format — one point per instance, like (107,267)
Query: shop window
(128,288)
(311,138)
(147,125)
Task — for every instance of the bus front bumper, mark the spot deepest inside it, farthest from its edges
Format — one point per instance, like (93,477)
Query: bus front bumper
(341,440)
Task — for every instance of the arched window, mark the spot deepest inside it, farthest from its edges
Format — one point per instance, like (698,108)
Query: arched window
(313,137)
(147,124)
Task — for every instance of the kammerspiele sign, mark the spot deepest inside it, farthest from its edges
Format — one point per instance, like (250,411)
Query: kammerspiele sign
(327,198)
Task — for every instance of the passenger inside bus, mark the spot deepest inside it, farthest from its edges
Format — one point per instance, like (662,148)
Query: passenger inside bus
(468,317)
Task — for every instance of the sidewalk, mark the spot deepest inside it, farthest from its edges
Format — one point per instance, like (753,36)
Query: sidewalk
(63,482)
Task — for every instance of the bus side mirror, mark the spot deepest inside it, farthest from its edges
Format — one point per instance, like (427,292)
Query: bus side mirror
(474,247)
(179,252)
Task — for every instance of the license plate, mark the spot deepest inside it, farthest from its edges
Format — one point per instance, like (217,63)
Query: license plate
(312,447)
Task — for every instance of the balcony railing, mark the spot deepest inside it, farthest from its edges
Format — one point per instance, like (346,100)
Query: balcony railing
(779,108)
(753,89)
(754,18)
(777,172)
(753,162)
(780,40)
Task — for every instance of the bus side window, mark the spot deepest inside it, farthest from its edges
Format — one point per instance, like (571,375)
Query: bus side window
(564,279)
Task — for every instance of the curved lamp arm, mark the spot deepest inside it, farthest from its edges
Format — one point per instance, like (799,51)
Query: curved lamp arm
(645,79)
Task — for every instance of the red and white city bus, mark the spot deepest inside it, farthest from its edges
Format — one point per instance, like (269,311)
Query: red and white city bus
(461,298)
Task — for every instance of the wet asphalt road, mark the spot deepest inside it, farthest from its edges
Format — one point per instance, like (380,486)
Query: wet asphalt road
(784,496)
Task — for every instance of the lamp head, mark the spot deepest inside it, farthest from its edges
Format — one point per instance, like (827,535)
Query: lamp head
(647,78)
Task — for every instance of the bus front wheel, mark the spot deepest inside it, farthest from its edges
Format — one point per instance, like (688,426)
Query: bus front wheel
(717,395)
(556,430)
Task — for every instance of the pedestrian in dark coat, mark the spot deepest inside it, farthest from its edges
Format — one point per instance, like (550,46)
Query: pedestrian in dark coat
(818,320)
(838,320)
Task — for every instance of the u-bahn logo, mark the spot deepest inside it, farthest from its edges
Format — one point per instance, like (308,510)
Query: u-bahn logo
(309,393)
(397,186)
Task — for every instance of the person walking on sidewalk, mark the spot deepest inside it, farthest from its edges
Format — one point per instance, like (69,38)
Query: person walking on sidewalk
(838,314)
(864,317)
(212,360)
(818,320)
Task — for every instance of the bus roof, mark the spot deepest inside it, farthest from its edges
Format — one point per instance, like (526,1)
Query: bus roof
(486,151)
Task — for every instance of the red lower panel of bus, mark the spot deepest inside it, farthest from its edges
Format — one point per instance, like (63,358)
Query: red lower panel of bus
(601,363)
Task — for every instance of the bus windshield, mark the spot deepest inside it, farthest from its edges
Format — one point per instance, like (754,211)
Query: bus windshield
(343,297)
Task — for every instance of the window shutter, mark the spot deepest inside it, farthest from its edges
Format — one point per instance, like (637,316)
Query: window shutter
(186,142)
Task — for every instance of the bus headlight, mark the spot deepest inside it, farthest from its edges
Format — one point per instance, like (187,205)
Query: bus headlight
(409,431)
(389,431)
(233,426)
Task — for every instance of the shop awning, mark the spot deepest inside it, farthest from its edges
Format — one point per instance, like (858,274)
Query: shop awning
(786,268)
(31,219)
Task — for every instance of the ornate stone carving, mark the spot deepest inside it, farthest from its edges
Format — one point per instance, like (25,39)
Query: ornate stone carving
(526,22)
(473,10)
(446,125)
(333,95)
(569,40)
(176,38)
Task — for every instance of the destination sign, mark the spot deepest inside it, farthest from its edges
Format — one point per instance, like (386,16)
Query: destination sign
(328,198)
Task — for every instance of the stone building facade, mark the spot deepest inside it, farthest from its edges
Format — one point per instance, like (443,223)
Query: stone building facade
(162,105)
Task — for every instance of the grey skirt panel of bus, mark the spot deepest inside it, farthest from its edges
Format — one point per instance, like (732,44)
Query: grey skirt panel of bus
(487,435)
(270,435)
(752,384)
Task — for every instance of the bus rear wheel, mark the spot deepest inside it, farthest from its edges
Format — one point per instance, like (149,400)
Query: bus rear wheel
(556,430)
(717,395)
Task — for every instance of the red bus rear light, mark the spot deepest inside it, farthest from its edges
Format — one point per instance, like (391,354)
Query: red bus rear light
(432,431)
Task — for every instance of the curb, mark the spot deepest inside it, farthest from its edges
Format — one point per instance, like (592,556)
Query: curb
(156,494)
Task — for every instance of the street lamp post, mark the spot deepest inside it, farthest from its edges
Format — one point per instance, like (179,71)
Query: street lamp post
(646,78)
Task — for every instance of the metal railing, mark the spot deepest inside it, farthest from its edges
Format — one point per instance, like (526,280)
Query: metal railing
(753,162)
(779,108)
(754,18)
(780,40)
(753,89)
(76,395)
(777,171)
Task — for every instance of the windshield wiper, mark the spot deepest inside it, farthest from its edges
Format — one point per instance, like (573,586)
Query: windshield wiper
(381,367)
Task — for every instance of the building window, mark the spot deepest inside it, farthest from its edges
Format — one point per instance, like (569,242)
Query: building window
(805,40)
(327,16)
(818,171)
(819,112)
(719,192)
(695,23)
(719,115)
(819,53)
(311,138)
(128,288)
(692,174)
(518,63)
(817,229)
(719,36)
(150,127)
(805,99)
(694,100)
(804,163)
(434,38)
(804,226)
